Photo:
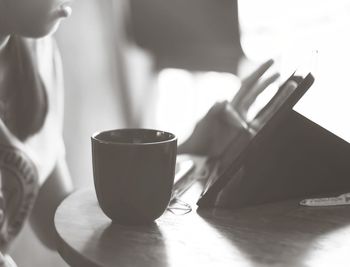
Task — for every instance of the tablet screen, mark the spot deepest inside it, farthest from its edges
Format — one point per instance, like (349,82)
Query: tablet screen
(224,170)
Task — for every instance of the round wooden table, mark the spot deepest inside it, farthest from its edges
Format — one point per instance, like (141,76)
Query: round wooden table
(278,234)
(86,237)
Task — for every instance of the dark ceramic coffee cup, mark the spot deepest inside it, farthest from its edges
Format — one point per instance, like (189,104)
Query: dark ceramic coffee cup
(133,173)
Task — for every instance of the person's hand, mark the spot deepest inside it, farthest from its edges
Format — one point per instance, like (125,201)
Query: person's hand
(18,186)
(227,123)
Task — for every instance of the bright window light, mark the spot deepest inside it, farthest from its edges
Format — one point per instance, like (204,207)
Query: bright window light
(184,97)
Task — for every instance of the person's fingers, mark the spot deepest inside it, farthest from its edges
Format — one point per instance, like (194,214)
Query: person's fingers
(248,82)
(255,76)
(265,114)
(249,99)
(233,118)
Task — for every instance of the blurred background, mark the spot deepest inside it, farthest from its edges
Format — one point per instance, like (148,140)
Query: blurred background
(162,64)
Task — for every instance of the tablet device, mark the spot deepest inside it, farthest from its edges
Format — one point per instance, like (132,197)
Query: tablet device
(236,155)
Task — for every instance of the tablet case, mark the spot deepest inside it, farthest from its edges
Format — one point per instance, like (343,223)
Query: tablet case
(299,159)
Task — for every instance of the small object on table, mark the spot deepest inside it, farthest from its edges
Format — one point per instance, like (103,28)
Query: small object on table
(343,199)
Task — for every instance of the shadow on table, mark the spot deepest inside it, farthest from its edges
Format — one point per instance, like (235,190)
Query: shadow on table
(120,245)
(284,234)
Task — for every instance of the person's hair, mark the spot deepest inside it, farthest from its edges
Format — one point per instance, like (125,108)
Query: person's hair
(31,103)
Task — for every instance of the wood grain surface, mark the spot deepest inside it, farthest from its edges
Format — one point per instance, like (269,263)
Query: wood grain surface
(278,234)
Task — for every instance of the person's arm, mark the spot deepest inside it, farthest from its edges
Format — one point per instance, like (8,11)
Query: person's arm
(53,191)
(227,122)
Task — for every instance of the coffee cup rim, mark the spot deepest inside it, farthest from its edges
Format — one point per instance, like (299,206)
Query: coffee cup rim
(94,137)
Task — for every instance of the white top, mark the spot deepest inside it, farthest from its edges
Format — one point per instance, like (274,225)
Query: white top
(46,146)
